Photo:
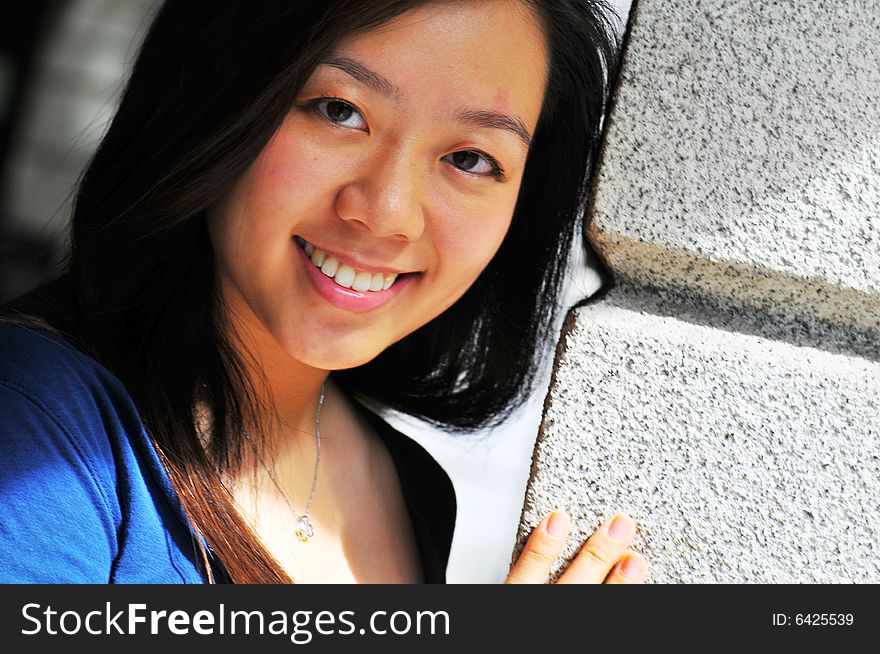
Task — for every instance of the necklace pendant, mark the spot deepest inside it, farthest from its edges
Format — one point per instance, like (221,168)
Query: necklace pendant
(304,528)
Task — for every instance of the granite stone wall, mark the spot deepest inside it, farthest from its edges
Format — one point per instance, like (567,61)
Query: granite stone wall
(725,392)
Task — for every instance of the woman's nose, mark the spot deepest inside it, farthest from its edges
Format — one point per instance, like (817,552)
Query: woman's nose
(386,198)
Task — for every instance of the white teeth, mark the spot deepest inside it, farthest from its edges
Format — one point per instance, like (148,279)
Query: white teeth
(330,266)
(345,275)
(318,257)
(362,281)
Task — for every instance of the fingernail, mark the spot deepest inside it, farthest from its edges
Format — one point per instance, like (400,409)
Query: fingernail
(631,566)
(557,524)
(620,528)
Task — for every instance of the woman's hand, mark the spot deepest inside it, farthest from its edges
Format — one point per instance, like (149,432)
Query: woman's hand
(603,558)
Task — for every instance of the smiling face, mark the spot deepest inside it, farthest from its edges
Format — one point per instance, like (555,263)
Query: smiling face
(403,154)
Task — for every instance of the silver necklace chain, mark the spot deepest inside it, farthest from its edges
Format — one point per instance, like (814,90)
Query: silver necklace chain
(304,527)
(318,448)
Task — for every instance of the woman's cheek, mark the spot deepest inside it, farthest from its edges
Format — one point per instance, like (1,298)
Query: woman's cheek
(303,157)
(467,249)
(479,240)
(290,172)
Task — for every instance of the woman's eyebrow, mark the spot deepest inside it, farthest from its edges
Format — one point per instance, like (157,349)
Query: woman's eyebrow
(365,76)
(495,120)
(476,117)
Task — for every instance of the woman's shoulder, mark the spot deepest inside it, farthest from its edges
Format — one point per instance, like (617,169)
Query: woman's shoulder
(55,395)
(82,492)
(427,490)
(34,356)
(44,368)
(57,468)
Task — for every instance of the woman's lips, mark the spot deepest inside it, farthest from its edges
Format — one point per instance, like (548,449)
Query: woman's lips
(348,298)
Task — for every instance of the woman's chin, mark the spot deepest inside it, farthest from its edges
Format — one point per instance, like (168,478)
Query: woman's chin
(337,363)
(330,345)
(337,356)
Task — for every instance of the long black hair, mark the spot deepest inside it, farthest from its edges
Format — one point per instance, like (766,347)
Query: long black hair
(212,83)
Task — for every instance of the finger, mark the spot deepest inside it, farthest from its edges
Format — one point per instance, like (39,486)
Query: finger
(600,552)
(631,569)
(541,550)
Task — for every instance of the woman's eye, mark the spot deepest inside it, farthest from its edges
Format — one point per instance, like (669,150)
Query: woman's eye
(341,113)
(475,163)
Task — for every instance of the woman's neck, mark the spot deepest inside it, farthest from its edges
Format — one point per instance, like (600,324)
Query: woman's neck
(287,390)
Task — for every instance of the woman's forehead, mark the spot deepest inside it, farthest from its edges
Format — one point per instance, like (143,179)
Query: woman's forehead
(490,55)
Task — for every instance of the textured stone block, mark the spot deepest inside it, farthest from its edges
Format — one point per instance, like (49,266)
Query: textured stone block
(742,158)
(742,459)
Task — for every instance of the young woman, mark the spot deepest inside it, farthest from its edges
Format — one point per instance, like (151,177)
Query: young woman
(297,204)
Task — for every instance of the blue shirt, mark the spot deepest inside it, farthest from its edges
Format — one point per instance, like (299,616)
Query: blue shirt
(85,499)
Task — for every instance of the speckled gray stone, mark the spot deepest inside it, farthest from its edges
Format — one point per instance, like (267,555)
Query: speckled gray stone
(742,157)
(725,392)
(741,458)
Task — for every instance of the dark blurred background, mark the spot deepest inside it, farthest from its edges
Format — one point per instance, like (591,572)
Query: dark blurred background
(62,67)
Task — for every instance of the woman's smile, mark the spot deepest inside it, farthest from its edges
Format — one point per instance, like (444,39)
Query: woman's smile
(345,286)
